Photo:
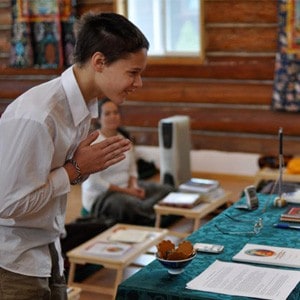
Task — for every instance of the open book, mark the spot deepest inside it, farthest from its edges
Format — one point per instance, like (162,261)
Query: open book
(269,255)
(178,199)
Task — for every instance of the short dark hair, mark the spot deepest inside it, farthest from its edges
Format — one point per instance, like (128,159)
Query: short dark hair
(109,33)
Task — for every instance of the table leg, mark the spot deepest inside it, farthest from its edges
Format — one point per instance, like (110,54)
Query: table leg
(118,280)
(157,220)
(196,224)
(71,273)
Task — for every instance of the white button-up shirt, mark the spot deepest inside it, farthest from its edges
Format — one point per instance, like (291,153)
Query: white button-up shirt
(38,132)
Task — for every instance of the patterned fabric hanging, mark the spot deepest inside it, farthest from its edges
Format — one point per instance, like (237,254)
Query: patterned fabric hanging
(42,33)
(286,91)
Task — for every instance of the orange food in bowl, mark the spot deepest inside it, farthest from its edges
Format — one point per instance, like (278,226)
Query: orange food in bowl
(167,250)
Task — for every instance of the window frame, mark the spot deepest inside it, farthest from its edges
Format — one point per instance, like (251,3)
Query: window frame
(121,8)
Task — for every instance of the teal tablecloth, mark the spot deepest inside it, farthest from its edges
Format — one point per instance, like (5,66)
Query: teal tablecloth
(154,282)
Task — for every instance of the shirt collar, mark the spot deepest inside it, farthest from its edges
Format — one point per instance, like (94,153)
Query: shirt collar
(78,107)
(93,108)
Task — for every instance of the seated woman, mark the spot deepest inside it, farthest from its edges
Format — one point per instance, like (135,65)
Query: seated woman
(116,192)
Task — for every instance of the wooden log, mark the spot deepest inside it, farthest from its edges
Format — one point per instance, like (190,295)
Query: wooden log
(241,39)
(252,68)
(238,11)
(182,90)
(215,118)
(229,142)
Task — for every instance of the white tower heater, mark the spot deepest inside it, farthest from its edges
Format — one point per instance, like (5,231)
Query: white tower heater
(174,150)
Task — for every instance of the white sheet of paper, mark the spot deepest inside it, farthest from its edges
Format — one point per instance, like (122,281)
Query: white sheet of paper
(246,280)
(129,235)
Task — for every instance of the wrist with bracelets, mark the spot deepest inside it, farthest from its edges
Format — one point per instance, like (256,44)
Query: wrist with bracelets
(79,177)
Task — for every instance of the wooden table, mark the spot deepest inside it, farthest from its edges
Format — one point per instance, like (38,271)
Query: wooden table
(74,293)
(273,174)
(161,285)
(206,207)
(79,255)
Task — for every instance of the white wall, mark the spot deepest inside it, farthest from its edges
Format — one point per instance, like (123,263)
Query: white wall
(209,161)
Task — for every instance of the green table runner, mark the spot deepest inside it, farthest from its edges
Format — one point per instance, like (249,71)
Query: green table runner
(154,282)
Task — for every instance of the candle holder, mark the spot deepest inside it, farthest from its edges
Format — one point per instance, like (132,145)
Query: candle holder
(279,201)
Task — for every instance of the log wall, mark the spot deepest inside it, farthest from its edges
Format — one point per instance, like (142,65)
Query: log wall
(228,97)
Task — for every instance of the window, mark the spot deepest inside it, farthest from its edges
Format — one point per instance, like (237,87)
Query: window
(173,27)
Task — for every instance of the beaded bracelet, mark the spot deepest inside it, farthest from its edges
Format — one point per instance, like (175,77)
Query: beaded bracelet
(79,178)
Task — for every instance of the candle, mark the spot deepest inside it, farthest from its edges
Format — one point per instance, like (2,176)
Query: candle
(280,141)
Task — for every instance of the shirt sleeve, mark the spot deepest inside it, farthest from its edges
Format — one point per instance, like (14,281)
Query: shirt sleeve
(28,181)
(132,163)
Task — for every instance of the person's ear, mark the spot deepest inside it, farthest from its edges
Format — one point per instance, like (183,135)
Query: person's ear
(98,61)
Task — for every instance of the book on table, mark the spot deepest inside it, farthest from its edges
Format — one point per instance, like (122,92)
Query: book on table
(291,214)
(269,255)
(108,249)
(199,185)
(181,199)
(128,235)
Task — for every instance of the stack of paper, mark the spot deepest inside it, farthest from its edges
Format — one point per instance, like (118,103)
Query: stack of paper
(244,280)
(199,185)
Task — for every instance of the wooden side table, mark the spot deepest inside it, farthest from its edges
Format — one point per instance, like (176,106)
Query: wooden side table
(273,174)
(74,293)
(208,205)
(79,255)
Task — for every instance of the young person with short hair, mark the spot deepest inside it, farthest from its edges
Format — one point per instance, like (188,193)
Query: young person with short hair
(45,147)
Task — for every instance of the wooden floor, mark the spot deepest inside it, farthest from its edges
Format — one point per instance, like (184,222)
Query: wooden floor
(235,184)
